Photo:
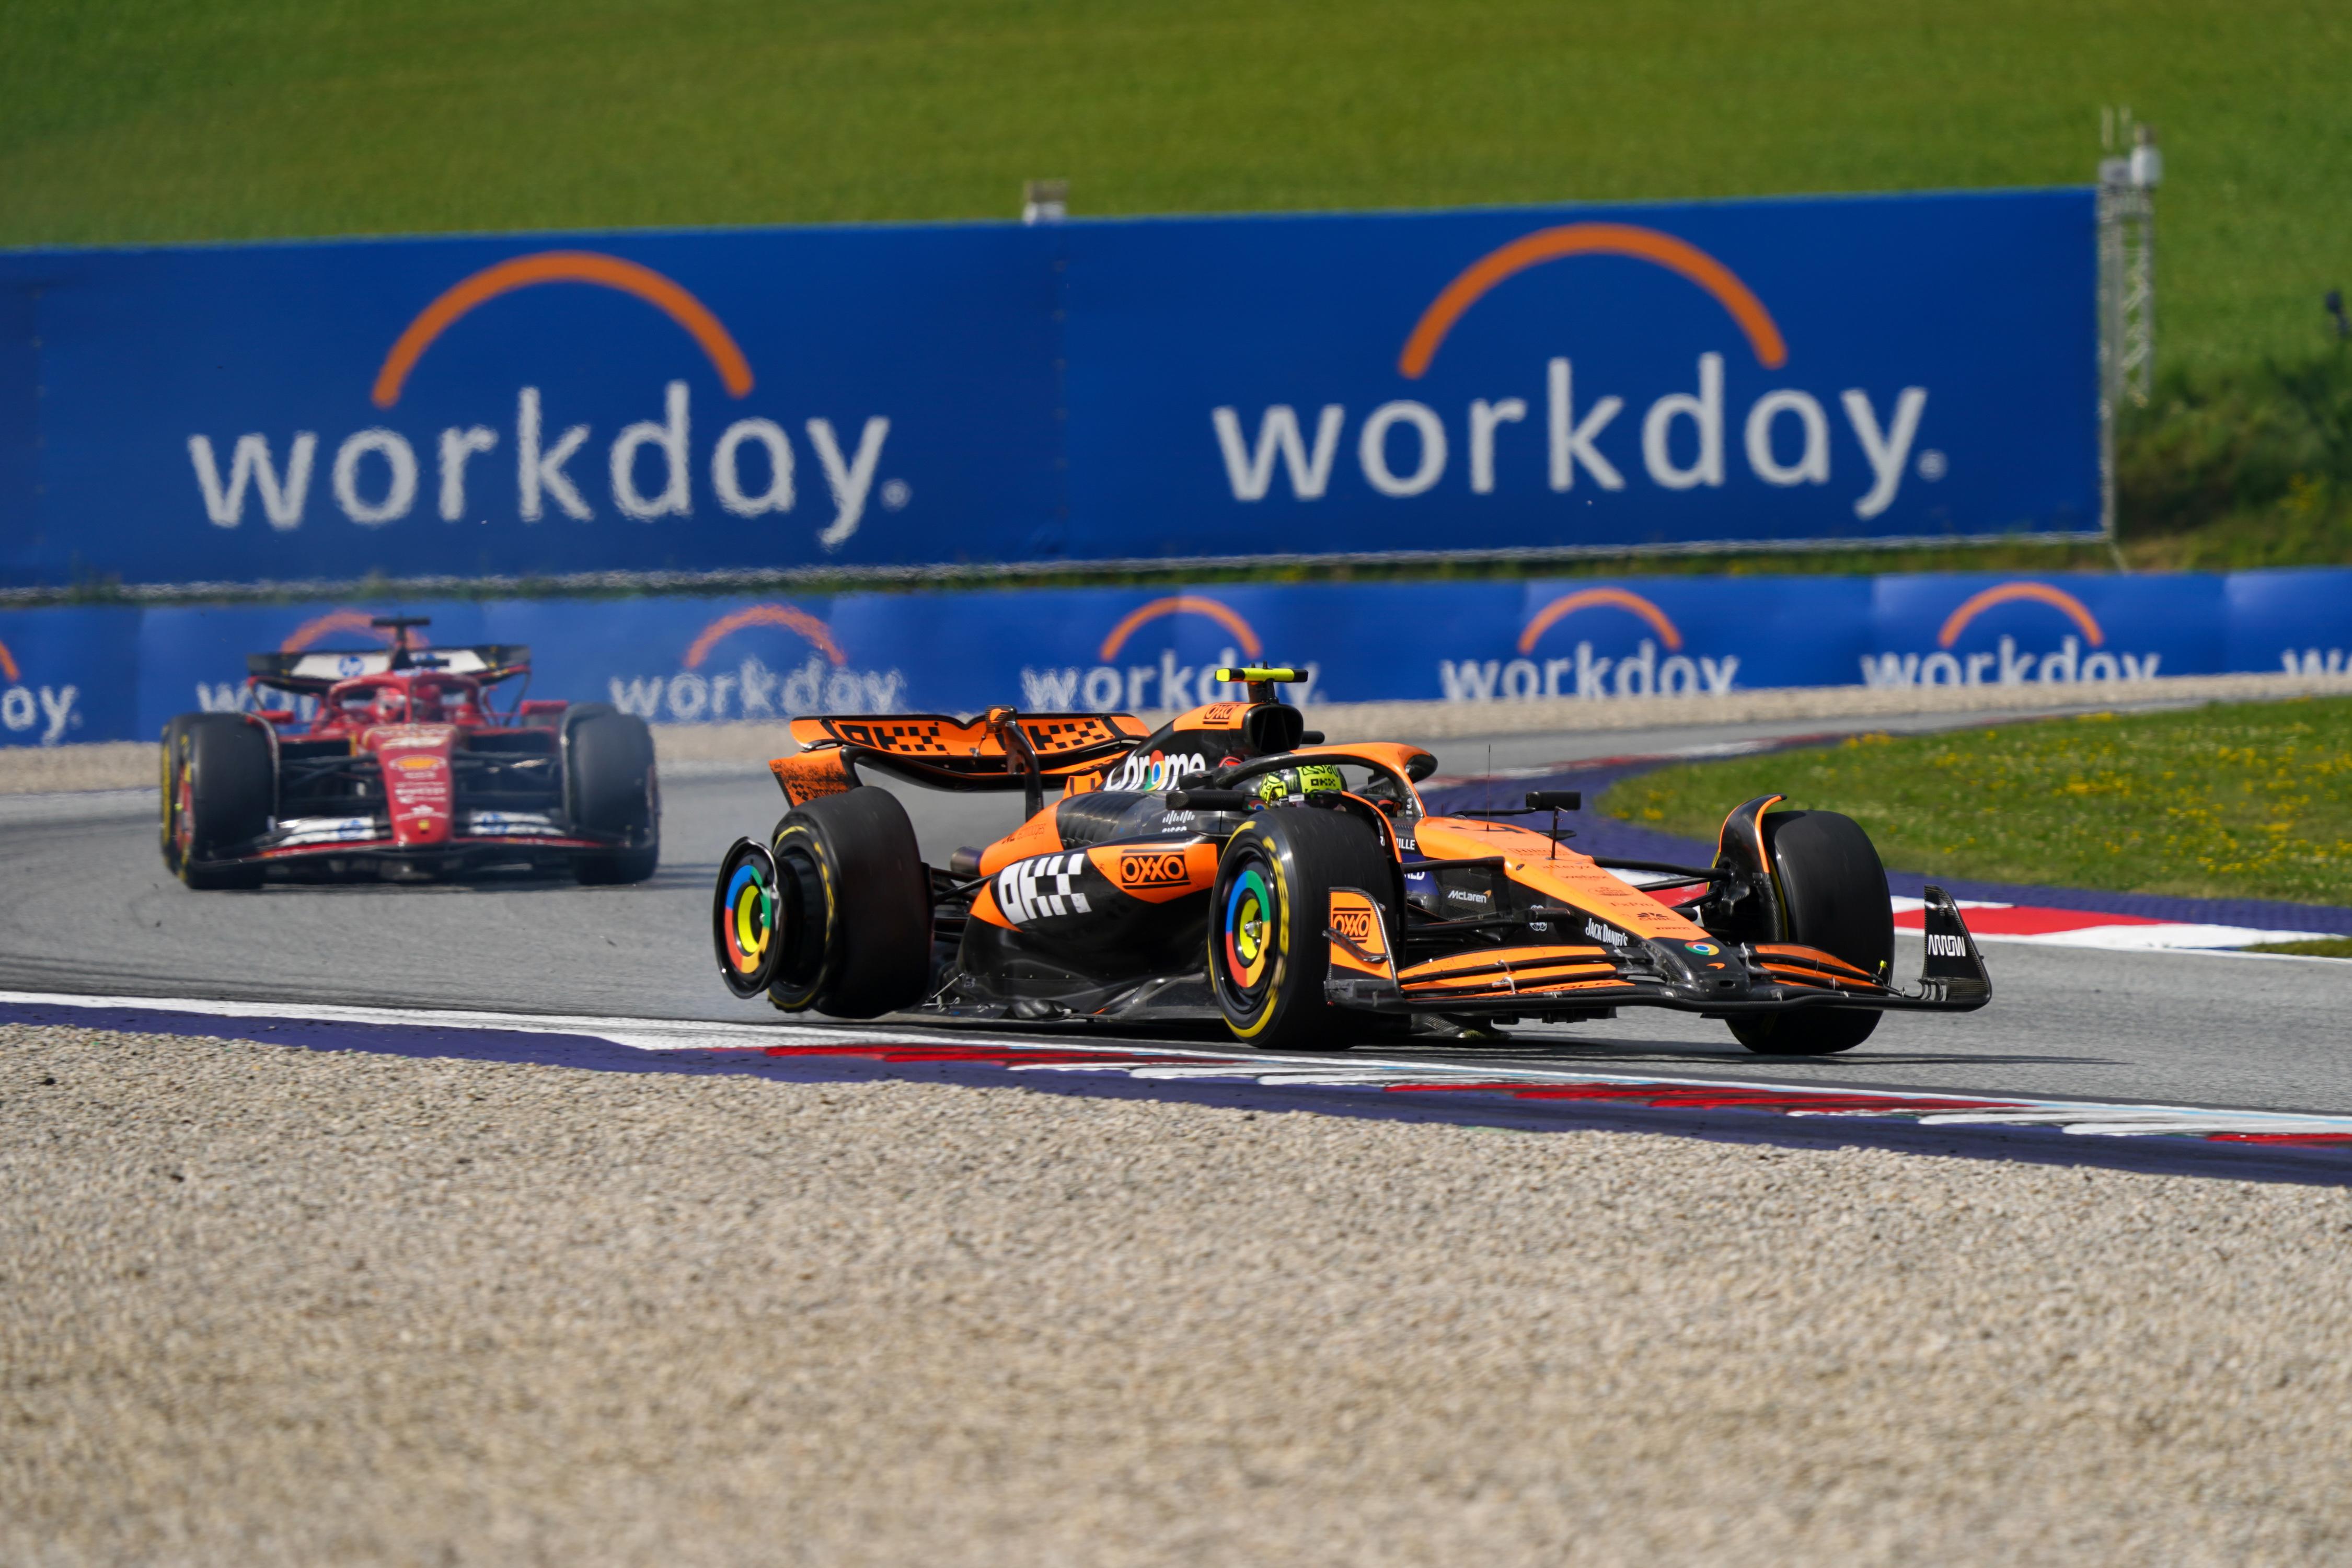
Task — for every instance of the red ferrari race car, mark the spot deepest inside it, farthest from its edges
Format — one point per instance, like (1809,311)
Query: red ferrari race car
(1231,866)
(404,770)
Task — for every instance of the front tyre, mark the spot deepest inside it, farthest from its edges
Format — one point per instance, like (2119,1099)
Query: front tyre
(1267,955)
(1832,896)
(615,792)
(848,919)
(217,776)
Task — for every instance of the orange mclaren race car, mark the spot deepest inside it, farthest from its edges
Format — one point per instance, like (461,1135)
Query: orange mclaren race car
(1231,865)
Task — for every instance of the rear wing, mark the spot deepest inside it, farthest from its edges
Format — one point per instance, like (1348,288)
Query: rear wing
(315,669)
(1000,750)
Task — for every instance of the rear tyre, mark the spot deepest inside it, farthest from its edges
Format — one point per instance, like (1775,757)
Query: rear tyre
(1832,894)
(615,792)
(218,778)
(1267,956)
(851,925)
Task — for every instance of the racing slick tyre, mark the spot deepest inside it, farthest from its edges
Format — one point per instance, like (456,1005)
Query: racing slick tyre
(1268,954)
(851,923)
(1834,897)
(615,790)
(216,784)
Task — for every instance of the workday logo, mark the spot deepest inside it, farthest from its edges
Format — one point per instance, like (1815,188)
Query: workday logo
(2037,632)
(1657,668)
(653,468)
(722,676)
(1565,434)
(1116,682)
(32,713)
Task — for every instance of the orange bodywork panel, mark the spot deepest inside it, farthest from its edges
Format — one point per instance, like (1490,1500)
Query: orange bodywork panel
(1156,874)
(1361,946)
(1533,861)
(1038,835)
(1214,716)
(813,774)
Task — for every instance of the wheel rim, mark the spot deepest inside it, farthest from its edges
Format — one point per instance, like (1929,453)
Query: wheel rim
(1247,939)
(747,916)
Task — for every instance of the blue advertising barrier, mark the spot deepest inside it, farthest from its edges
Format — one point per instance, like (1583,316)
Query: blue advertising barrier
(75,675)
(667,407)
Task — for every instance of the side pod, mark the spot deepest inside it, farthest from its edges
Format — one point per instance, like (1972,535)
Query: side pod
(1954,973)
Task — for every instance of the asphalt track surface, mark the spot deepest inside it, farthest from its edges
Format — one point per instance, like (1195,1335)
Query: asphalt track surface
(86,908)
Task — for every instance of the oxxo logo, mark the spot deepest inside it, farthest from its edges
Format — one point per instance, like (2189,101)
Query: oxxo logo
(1156,870)
(2004,664)
(1579,673)
(1405,448)
(704,692)
(1946,944)
(1355,924)
(651,466)
(31,713)
(1113,685)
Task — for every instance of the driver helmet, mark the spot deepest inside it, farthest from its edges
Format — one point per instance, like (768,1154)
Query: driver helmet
(1294,784)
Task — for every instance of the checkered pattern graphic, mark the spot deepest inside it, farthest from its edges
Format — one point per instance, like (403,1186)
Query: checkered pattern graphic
(916,738)
(1032,889)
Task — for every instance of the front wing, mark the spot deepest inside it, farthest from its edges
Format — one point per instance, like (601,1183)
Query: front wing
(1571,980)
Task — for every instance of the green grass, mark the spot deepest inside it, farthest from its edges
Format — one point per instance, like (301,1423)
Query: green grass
(2247,801)
(145,121)
(2329,947)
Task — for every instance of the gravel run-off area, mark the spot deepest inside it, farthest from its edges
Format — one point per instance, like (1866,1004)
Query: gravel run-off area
(264,1306)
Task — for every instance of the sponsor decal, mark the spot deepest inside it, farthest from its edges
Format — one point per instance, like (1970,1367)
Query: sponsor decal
(1608,935)
(1704,949)
(1354,923)
(416,764)
(1465,895)
(1160,771)
(1159,868)
(1035,889)
(1946,944)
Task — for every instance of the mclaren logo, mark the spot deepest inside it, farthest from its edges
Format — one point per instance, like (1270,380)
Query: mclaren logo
(1156,870)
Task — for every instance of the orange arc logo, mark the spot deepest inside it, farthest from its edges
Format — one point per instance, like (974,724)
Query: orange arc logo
(1584,599)
(2014,593)
(8,664)
(1679,256)
(784,615)
(563,267)
(1180,604)
(311,630)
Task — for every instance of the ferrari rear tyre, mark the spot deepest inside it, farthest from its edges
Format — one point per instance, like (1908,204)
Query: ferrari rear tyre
(216,779)
(850,922)
(1832,896)
(1267,955)
(615,791)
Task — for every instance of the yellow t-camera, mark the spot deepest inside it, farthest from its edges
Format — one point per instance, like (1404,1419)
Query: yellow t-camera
(1250,675)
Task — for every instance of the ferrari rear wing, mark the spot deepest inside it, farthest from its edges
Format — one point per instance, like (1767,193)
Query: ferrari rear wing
(315,669)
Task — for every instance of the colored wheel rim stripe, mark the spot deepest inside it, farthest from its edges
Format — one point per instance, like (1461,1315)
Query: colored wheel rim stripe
(1248,936)
(750,924)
